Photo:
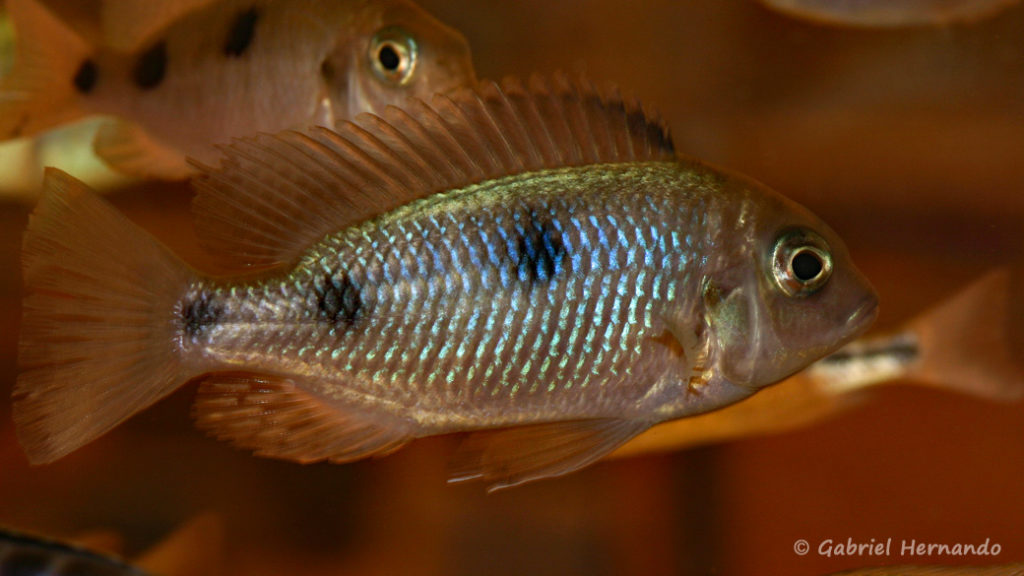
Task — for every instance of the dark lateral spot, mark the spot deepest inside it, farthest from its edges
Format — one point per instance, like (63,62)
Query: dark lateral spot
(199,313)
(24,563)
(85,77)
(151,66)
(241,34)
(339,300)
(538,253)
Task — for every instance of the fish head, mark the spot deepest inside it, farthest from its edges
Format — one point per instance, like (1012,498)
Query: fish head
(785,293)
(397,52)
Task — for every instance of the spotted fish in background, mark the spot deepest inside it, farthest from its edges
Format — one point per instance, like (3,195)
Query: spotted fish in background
(889,13)
(529,262)
(181,76)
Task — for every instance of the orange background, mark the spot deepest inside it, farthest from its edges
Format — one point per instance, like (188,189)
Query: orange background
(910,143)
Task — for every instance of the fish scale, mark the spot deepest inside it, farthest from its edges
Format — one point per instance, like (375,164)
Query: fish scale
(585,313)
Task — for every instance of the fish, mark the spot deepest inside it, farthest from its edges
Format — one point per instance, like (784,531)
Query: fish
(527,263)
(971,343)
(27,555)
(1015,569)
(889,13)
(220,69)
(194,549)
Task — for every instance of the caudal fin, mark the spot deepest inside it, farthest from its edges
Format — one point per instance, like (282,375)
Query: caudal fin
(974,342)
(98,332)
(39,92)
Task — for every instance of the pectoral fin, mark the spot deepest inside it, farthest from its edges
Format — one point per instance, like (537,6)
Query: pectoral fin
(275,417)
(512,456)
(127,148)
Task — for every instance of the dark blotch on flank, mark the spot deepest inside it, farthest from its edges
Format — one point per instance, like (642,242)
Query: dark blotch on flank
(151,67)
(537,254)
(86,76)
(339,300)
(24,563)
(199,313)
(241,34)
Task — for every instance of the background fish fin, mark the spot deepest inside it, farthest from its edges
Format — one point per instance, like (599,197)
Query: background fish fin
(98,323)
(274,196)
(39,91)
(194,549)
(974,341)
(128,24)
(82,17)
(511,456)
(274,417)
(127,148)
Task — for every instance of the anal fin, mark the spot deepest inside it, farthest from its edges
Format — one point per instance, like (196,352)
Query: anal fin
(275,417)
(510,456)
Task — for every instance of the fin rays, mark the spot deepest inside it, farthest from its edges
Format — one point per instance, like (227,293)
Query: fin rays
(274,196)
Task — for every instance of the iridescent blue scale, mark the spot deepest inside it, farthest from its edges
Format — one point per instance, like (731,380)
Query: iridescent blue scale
(526,303)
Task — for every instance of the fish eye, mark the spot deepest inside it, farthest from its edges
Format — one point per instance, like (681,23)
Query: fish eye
(393,55)
(801,263)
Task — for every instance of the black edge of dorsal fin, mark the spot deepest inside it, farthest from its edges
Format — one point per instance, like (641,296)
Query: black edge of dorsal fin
(275,195)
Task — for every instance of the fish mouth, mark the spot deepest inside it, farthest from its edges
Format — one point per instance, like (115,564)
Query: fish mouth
(862,317)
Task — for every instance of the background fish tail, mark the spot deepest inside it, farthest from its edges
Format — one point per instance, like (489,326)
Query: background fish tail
(99,326)
(50,65)
(974,341)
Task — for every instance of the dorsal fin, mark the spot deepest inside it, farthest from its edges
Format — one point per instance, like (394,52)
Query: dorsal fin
(274,196)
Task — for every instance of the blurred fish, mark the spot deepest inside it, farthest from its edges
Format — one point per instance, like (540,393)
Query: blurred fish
(530,262)
(889,13)
(971,343)
(219,70)
(1000,570)
(6,43)
(193,550)
(34,556)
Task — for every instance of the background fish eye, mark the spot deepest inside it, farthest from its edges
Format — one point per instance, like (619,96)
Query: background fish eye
(801,263)
(393,55)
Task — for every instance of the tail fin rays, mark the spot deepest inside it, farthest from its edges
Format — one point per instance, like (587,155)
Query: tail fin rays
(98,337)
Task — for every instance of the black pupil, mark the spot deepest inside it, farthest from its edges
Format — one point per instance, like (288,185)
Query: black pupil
(806,266)
(388,57)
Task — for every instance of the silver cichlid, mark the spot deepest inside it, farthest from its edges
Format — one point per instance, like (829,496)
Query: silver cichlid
(181,76)
(529,262)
